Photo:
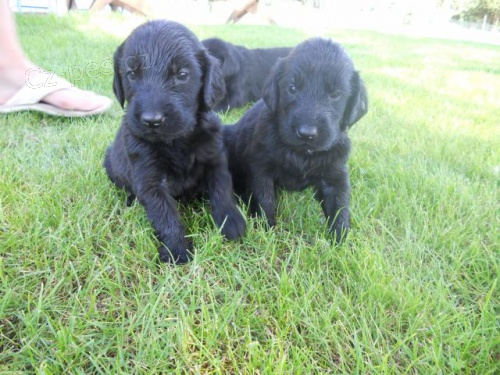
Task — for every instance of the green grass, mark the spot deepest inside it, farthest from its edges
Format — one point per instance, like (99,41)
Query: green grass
(414,290)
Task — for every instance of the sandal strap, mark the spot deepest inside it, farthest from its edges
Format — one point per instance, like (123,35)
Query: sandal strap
(35,90)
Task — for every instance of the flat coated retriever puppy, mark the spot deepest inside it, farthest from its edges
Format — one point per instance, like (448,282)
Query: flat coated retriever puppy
(244,70)
(296,136)
(169,145)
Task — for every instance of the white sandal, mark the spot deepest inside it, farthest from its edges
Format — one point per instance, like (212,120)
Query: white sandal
(30,99)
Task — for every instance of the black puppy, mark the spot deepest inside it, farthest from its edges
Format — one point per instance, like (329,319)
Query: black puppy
(296,136)
(169,145)
(244,70)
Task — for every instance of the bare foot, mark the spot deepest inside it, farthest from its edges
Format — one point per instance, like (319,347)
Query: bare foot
(12,80)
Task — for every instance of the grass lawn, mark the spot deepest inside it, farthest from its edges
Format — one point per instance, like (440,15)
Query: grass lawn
(414,289)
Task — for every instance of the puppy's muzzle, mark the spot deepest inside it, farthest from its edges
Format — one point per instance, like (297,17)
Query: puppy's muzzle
(152,119)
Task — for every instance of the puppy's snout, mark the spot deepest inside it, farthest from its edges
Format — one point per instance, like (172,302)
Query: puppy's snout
(152,119)
(307,133)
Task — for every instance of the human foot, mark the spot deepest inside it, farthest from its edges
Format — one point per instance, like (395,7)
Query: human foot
(32,88)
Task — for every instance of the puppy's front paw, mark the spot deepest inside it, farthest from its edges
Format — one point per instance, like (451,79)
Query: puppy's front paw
(271,221)
(234,225)
(339,234)
(257,211)
(176,253)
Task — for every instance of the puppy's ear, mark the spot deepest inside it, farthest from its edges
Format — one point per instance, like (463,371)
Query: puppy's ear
(118,78)
(357,104)
(270,93)
(213,81)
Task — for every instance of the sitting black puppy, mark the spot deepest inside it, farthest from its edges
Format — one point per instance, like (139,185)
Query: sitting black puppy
(296,136)
(169,145)
(244,70)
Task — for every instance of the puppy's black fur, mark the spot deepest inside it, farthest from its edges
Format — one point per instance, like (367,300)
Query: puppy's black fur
(296,136)
(169,145)
(244,70)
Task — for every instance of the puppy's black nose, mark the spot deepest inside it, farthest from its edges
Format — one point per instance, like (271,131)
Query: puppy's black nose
(152,119)
(307,133)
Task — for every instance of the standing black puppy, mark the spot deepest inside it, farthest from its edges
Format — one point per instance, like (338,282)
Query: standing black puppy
(296,136)
(244,70)
(169,145)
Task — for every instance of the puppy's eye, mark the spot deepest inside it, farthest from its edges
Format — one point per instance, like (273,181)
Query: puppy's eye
(292,89)
(131,75)
(335,95)
(182,75)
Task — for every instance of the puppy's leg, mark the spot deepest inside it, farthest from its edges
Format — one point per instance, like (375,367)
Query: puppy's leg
(263,197)
(334,197)
(118,179)
(161,210)
(224,210)
(110,171)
